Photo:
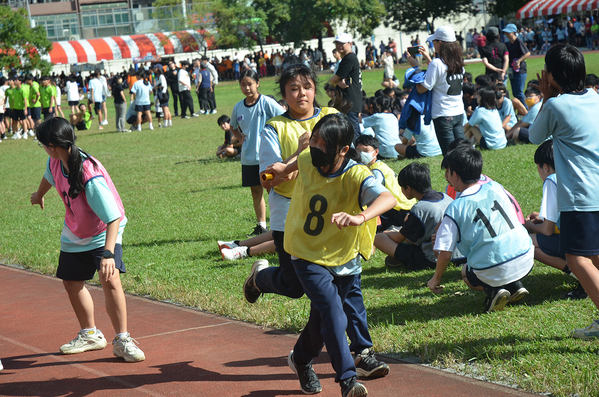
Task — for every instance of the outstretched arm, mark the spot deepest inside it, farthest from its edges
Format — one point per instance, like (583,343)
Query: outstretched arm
(37,197)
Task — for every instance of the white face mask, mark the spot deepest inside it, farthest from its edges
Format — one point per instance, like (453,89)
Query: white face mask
(367,157)
(402,102)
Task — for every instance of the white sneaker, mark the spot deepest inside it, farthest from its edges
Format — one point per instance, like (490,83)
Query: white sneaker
(105,122)
(24,135)
(194,115)
(234,253)
(588,333)
(16,135)
(202,111)
(31,133)
(226,244)
(214,111)
(85,342)
(151,127)
(139,127)
(125,348)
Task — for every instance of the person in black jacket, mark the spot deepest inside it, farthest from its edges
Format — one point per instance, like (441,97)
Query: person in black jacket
(173,83)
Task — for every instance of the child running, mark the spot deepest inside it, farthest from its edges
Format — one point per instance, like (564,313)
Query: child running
(568,113)
(247,121)
(91,237)
(326,234)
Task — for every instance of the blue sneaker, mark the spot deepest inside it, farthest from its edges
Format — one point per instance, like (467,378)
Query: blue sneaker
(588,333)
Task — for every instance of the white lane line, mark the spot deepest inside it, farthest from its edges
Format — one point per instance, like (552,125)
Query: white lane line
(182,330)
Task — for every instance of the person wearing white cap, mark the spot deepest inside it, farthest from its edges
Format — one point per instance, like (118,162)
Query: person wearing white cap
(444,79)
(518,54)
(348,77)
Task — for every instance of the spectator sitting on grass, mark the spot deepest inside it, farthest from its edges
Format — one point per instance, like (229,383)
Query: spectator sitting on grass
(411,246)
(592,81)
(519,132)
(231,147)
(483,225)
(485,124)
(543,225)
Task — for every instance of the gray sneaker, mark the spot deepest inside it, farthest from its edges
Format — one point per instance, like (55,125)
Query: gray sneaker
(250,290)
(125,348)
(85,342)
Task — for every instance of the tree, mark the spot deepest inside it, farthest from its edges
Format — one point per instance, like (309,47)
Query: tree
(505,7)
(415,15)
(239,24)
(299,20)
(20,46)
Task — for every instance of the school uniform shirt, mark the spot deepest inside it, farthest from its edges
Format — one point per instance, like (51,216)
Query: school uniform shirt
(507,109)
(482,224)
(489,123)
(142,93)
(386,129)
(447,90)
(57,95)
(17,99)
(387,177)
(426,142)
(532,113)
(311,236)
(72,91)
(251,119)
(26,89)
(33,91)
(98,89)
(46,94)
(548,209)
(570,118)
(278,141)
(87,215)
(7,92)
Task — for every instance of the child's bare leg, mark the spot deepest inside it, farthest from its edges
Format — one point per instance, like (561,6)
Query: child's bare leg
(465,278)
(385,243)
(148,116)
(519,107)
(263,248)
(81,301)
(401,148)
(586,270)
(231,152)
(256,240)
(475,132)
(259,204)
(116,306)
(59,111)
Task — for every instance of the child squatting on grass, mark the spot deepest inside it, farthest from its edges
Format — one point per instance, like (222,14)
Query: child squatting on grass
(91,237)
(483,225)
(330,223)
(569,115)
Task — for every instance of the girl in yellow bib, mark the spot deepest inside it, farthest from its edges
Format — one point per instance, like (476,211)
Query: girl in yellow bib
(330,223)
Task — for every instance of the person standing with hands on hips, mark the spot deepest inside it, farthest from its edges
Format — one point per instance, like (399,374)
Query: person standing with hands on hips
(91,237)
(348,77)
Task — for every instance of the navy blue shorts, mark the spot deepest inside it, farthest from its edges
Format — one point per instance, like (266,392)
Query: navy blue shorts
(35,113)
(73,103)
(579,233)
(250,175)
(97,106)
(412,152)
(81,266)
(142,108)
(550,245)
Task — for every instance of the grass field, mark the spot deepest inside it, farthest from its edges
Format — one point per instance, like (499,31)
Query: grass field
(180,199)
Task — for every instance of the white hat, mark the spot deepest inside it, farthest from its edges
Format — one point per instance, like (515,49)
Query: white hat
(344,38)
(444,33)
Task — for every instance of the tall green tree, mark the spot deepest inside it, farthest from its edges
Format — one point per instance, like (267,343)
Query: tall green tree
(298,20)
(239,24)
(505,7)
(414,15)
(20,46)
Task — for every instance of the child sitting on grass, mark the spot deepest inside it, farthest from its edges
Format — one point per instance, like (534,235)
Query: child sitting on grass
(542,225)
(411,245)
(569,113)
(367,147)
(519,132)
(231,147)
(505,107)
(485,125)
(483,225)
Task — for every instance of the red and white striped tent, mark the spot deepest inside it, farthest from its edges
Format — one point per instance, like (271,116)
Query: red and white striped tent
(538,8)
(124,47)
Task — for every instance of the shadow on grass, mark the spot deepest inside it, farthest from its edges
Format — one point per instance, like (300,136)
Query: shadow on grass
(208,160)
(157,243)
(213,188)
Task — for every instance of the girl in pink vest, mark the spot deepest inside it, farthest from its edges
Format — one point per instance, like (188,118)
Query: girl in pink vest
(91,237)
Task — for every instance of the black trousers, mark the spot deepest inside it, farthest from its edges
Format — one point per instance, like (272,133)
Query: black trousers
(186,103)
(175,92)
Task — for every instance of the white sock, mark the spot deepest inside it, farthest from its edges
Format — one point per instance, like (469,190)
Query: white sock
(89,331)
(263,224)
(151,126)
(122,335)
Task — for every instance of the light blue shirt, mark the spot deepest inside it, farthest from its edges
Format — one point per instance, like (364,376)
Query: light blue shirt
(252,119)
(507,109)
(571,119)
(98,90)
(426,142)
(532,113)
(386,130)
(142,92)
(489,123)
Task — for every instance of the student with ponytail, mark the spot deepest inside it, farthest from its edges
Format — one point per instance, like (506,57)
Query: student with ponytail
(91,237)
(140,94)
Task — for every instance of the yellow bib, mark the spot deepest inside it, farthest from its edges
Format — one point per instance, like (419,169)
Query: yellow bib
(391,184)
(289,131)
(309,234)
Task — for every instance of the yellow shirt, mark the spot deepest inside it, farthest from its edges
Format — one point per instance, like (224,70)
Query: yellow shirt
(393,186)
(309,234)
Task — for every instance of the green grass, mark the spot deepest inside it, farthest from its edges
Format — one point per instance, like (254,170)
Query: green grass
(180,199)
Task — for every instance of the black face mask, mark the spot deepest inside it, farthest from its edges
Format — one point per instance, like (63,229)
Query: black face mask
(319,158)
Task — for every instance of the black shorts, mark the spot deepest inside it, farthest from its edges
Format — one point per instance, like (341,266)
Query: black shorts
(8,113)
(133,119)
(81,126)
(412,152)
(18,114)
(412,257)
(164,104)
(97,106)
(143,108)
(523,135)
(73,103)
(250,175)
(1,117)
(47,113)
(35,113)
(578,233)
(483,143)
(81,266)
(550,245)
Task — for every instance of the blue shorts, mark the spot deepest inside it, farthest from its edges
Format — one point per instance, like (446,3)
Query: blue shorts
(579,233)
(81,266)
(143,108)
(35,113)
(550,245)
